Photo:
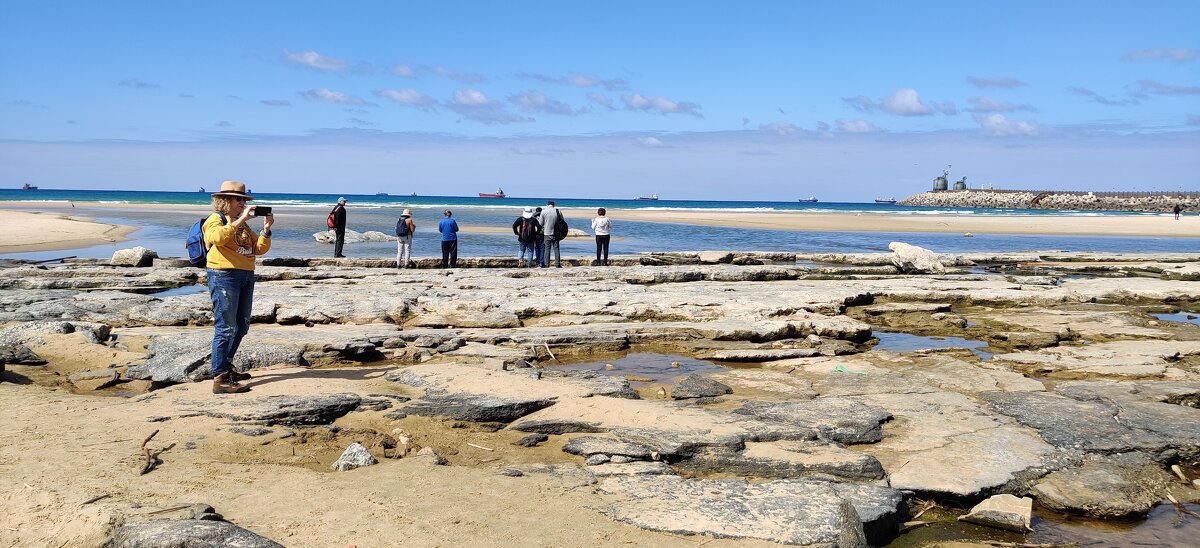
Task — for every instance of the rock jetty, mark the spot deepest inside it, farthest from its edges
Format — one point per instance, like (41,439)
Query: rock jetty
(1057,200)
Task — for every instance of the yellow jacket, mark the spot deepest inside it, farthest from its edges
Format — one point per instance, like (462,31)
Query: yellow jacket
(231,247)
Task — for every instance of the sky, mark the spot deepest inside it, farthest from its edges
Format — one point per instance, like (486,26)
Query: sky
(843,101)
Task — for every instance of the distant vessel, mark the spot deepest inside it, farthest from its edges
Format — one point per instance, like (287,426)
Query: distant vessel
(413,194)
(201,189)
(498,194)
(650,197)
(885,200)
(28,186)
(381,194)
(808,200)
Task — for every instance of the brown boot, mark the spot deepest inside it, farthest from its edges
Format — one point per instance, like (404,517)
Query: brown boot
(223,384)
(238,376)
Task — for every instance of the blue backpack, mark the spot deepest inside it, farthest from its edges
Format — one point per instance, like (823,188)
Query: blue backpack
(401,227)
(196,248)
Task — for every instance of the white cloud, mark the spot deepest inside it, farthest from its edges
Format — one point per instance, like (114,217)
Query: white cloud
(276,103)
(860,103)
(224,123)
(360,122)
(907,102)
(988,104)
(532,101)
(602,100)
(650,142)
(1159,88)
(315,60)
(403,70)
(999,125)
(579,80)
(639,102)
(994,82)
(781,128)
(1102,99)
(464,77)
(407,97)
(138,84)
(323,95)
(1178,55)
(474,105)
(855,126)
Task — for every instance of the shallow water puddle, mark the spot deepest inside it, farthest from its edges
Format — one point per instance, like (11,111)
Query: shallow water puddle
(1181,317)
(181,290)
(647,367)
(904,342)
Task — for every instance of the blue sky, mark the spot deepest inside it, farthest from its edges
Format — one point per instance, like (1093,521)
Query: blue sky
(698,100)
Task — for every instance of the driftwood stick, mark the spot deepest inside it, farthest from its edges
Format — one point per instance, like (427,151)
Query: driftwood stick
(145,451)
(94,499)
(549,352)
(480,447)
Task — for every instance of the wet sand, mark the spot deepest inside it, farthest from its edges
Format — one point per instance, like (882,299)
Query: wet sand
(27,231)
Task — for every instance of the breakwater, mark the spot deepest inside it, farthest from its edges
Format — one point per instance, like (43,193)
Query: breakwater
(1057,200)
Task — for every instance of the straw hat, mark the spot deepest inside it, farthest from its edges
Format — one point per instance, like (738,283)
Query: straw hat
(233,188)
(406,213)
(528,213)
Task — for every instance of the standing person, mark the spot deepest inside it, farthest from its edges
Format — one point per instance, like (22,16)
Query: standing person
(449,229)
(406,226)
(601,225)
(526,229)
(549,216)
(539,242)
(232,247)
(1177,210)
(339,227)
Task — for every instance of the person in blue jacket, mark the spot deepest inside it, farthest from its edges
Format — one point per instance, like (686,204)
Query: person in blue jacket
(449,229)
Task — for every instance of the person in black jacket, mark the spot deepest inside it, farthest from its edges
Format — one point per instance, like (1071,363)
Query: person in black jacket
(526,228)
(339,227)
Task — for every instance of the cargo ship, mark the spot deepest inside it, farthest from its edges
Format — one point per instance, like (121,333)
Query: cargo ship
(808,200)
(499,193)
(651,197)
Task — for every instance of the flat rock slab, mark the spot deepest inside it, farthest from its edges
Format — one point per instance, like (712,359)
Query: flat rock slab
(1134,359)
(1117,487)
(475,407)
(787,459)
(1003,511)
(783,511)
(272,410)
(834,418)
(761,354)
(186,533)
(1070,424)
(593,445)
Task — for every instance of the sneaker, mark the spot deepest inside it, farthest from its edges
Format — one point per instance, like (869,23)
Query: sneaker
(238,376)
(223,384)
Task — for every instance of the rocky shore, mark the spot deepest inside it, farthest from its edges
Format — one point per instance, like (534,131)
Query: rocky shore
(1011,199)
(747,397)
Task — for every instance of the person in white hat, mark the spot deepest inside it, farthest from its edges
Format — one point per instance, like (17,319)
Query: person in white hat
(404,231)
(232,248)
(337,219)
(526,228)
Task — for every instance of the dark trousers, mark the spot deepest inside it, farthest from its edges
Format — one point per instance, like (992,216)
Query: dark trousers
(540,250)
(602,250)
(339,242)
(450,254)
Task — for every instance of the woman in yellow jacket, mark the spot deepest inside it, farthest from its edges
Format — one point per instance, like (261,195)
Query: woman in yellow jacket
(232,247)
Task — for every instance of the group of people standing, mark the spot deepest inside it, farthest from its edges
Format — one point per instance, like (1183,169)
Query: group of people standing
(539,232)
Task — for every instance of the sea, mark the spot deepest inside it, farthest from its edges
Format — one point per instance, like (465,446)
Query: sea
(487,225)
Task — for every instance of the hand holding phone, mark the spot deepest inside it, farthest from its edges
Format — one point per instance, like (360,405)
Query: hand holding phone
(261,211)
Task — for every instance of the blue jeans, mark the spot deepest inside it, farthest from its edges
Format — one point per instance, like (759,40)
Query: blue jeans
(232,293)
(530,248)
(540,247)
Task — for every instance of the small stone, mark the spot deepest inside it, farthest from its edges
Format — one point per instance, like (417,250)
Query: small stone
(1003,511)
(512,472)
(609,366)
(675,365)
(621,459)
(531,440)
(434,458)
(813,338)
(597,459)
(353,457)
(1152,323)
(157,418)
(938,316)
(662,392)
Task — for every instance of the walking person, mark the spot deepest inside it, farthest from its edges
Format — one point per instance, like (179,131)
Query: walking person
(539,242)
(339,227)
(1178,209)
(232,248)
(601,225)
(404,231)
(449,229)
(526,229)
(548,218)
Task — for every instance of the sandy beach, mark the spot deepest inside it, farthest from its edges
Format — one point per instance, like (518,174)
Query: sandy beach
(53,227)
(26,231)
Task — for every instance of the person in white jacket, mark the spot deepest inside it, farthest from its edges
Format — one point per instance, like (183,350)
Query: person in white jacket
(601,225)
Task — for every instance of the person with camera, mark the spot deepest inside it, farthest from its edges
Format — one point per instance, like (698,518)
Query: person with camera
(232,249)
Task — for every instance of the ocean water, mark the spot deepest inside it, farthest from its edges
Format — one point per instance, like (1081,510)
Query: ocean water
(486,224)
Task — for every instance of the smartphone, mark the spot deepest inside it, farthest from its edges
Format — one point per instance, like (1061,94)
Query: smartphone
(262,211)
